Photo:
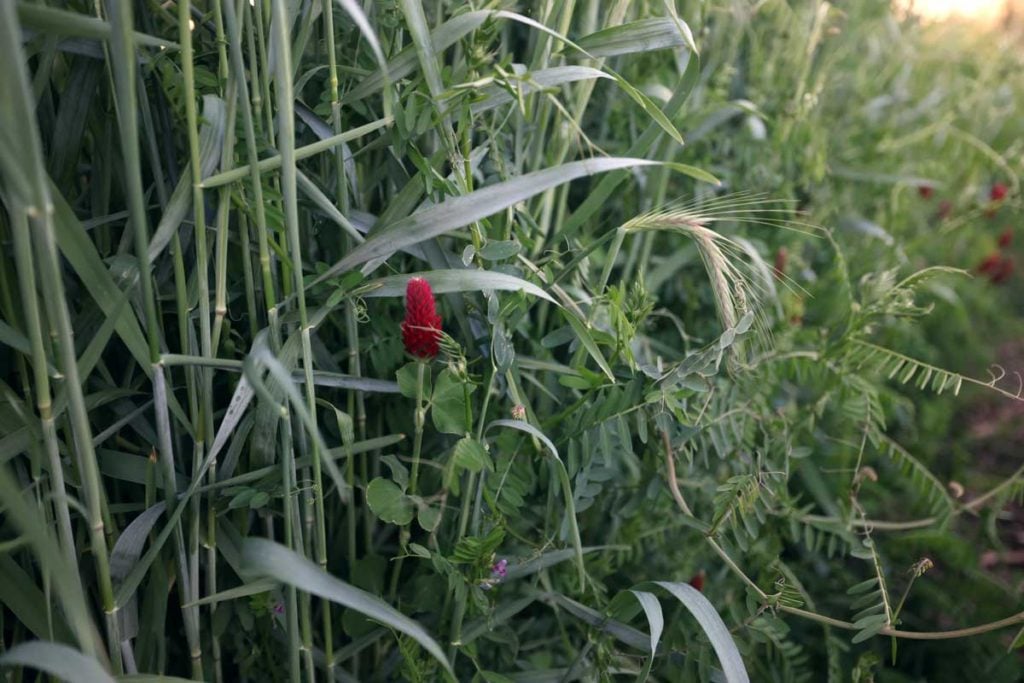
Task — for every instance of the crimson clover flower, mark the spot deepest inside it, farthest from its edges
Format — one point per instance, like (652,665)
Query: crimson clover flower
(1006,238)
(925,191)
(998,192)
(1004,272)
(990,264)
(421,329)
(997,267)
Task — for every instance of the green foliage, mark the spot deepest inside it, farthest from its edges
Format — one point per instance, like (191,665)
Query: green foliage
(697,408)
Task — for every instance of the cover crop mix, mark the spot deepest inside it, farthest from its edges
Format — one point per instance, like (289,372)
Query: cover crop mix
(725,388)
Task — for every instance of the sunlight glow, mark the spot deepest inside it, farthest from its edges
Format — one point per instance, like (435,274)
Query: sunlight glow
(982,11)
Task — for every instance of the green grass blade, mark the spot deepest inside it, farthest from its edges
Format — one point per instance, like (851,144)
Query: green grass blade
(55,21)
(645,35)
(448,281)
(641,146)
(656,623)
(58,660)
(712,625)
(266,558)
(243,591)
(624,633)
(456,212)
(550,559)
(441,38)
(494,96)
(211,141)
(274,163)
(20,595)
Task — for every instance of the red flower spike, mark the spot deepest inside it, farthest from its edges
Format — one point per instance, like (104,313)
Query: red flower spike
(697,580)
(1006,238)
(990,264)
(421,329)
(925,191)
(1003,272)
(998,192)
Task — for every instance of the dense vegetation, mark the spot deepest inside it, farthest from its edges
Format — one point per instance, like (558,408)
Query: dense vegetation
(726,291)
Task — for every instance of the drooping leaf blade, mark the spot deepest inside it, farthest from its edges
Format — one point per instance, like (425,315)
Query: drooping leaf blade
(66,663)
(456,212)
(266,558)
(457,280)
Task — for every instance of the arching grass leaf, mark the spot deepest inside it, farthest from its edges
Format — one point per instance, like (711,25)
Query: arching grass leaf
(448,281)
(712,625)
(66,663)
(456,212)
(266,558)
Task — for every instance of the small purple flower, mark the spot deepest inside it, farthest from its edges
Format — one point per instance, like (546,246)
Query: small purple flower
(278,607)
(499,570)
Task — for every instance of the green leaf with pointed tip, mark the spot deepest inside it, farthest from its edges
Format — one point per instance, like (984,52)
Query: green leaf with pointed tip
(869,627)
(862,587)
(583,334)
(243,591)
(500,250)
(695,173)
(406,376)
(656,623)
(645,35)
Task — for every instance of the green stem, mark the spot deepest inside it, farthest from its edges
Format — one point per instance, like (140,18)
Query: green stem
(286,145)
(418,419)
(30,307)
(37,205)
(249,129)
